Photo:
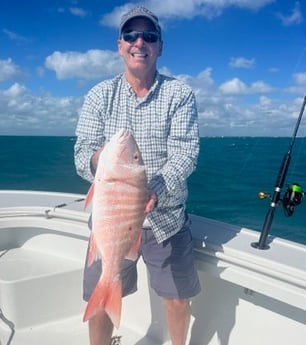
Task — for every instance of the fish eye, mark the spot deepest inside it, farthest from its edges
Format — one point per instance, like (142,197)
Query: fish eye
(136,157)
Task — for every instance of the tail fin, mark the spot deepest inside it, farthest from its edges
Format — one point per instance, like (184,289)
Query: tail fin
(106,297)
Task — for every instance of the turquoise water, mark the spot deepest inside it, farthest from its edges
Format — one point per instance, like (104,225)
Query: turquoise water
(230,173)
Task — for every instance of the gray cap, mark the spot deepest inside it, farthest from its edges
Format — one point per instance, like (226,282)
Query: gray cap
(139,11)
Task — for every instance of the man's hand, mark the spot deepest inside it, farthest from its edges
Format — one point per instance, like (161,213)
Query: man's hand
(151,203)
(94,159)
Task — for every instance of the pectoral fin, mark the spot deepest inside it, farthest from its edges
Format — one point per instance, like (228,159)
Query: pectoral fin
(134,251)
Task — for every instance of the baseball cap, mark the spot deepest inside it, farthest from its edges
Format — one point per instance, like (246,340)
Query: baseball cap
(139,11)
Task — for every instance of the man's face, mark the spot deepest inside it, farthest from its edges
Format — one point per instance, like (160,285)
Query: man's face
(140,56)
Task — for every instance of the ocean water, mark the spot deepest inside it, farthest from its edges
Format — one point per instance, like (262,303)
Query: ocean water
(230,173)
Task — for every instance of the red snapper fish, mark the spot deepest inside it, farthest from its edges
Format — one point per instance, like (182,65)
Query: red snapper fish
(120,202)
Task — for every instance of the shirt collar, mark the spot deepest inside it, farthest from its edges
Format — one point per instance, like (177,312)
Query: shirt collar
(152,89)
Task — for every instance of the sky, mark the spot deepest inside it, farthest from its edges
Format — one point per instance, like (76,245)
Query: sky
(244,59)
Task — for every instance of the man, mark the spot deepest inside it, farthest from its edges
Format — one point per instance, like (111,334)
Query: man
(162,114)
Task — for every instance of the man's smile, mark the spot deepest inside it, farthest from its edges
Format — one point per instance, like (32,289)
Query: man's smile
(139,55)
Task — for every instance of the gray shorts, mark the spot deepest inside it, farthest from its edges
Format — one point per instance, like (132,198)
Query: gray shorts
(170,265)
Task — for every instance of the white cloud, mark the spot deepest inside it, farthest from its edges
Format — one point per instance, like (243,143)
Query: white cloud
(296,17)
(231,108)
(14,36)
(237,87)
(234,86)
(299,86)
(223,109)
(300,78)
(241,62)
(8,70)
(202,81)
(16,90)
(262,117)
(238,108)
(168,9)
(273,70)
(21,112)
(265,101)
(77,11)
(40,71)
(260,87)
(94,64)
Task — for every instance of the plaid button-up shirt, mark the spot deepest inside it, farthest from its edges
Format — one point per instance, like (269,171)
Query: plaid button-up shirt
(165,126)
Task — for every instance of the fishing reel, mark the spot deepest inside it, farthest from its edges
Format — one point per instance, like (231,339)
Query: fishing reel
(293,197)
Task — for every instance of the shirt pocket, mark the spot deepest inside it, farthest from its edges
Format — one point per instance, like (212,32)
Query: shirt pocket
(157,137)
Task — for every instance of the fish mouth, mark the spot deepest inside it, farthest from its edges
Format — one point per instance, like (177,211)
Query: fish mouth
(123,135)
(131,153)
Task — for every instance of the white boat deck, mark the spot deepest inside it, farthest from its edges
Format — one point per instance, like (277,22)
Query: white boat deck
(250,296)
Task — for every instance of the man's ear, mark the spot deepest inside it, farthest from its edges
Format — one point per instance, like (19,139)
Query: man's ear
(119,47)
(161,44)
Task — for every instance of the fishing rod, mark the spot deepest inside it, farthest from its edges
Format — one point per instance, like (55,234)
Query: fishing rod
(292,197)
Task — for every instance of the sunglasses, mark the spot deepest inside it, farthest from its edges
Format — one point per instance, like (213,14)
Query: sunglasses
(147,36)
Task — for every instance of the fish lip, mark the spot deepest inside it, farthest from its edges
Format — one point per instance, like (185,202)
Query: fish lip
(121,137)
(124,134)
